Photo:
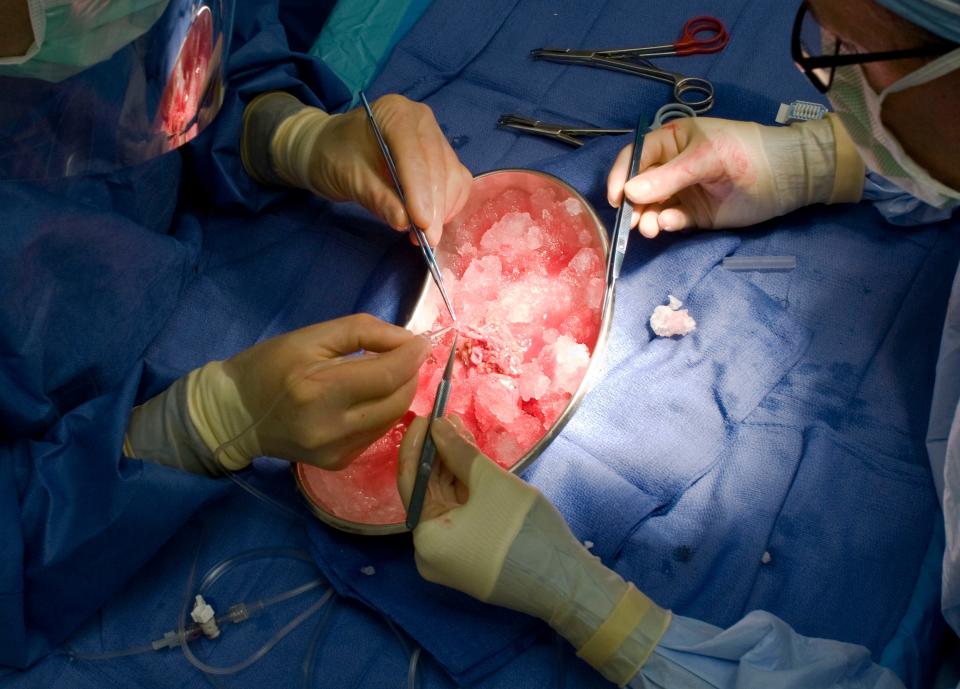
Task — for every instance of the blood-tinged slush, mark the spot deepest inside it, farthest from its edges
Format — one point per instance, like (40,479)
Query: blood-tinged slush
(525,272)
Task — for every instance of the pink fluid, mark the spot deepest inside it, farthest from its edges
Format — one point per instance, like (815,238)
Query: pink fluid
(525,272)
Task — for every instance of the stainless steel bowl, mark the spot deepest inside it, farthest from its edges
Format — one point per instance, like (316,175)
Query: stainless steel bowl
(484,187)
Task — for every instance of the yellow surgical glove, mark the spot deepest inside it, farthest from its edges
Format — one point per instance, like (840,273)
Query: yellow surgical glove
(489,534)
(287,397)
(712,173)
(337,157)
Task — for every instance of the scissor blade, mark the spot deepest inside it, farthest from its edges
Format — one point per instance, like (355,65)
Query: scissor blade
(572,56)
(597,131)
(648,51)
(560,132)
(636,66)
(530,126)
(550,134)
(558,53)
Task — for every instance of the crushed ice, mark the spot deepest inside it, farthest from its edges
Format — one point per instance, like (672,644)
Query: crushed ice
(671,320)
(526,275)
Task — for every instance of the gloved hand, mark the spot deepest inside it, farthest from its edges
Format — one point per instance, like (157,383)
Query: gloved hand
(285,398)
(485,532)
(337,157)
(712,173)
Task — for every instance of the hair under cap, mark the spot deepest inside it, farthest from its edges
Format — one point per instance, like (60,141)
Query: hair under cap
(941,17)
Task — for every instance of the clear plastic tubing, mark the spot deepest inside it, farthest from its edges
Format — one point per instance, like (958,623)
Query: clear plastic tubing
(309,662)
(260,495)
(412,669)
(763,264)
(110,655)
(414,654)
(218,571)
(260,652)
(237,613)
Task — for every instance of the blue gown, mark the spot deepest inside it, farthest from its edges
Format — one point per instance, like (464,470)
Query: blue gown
(761,651)
(115,286)
(92,271)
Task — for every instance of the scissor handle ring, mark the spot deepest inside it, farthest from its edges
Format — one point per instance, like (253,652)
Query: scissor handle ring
(691,40)
(694,86)
(671,111)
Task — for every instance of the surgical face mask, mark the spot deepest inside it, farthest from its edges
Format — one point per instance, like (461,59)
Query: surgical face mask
(859,108)
(72,35)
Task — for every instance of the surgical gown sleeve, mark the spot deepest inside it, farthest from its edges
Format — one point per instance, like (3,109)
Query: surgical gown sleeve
(759,652)
(76,522)
(897,206)
(92,271)
(88,278)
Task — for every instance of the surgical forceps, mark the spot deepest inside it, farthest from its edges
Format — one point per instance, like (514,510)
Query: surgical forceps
(621,226)
(695,92)
(428,452)
(425,249)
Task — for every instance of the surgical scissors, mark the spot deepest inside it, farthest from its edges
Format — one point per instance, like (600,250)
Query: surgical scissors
(428,452)
(695,92)
(428,256)
(568,134)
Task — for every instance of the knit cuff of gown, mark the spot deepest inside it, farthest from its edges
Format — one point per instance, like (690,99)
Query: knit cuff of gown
(220,418)
(161,431)
(848,178)
(261,120)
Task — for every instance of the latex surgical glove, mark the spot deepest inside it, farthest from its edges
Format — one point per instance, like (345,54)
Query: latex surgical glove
(712,173)
(289,397)
(337,157)
(489,534)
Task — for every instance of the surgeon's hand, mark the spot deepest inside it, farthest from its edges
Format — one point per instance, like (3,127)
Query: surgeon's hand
(309,408)
(287,397)
(445,490)
(489,534)
(337,157)
(713,173)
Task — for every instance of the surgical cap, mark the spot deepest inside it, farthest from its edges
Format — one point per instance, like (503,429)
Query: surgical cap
(941,17)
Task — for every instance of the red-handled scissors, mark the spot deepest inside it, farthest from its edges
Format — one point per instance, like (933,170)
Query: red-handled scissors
(700,35)
(692,40)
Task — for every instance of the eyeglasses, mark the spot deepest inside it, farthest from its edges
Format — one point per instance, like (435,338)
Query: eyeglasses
(818,54)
